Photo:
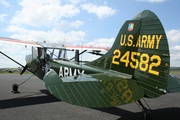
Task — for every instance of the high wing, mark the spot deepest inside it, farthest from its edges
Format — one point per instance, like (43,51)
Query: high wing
(86,47)
(52,45)
(16,41)
(73,47)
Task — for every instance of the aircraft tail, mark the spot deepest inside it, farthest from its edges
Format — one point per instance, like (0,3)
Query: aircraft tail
(141,50)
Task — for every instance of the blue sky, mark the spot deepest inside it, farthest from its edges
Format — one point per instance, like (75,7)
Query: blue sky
(93,22)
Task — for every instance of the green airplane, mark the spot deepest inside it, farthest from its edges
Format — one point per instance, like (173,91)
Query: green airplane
(136,66)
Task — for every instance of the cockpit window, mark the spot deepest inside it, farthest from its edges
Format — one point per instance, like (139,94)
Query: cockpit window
(57,53)
(42,53)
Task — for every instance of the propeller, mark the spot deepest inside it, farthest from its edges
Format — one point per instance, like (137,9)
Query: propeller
(24,69)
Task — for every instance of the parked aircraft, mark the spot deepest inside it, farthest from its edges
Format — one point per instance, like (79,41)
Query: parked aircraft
(136,66)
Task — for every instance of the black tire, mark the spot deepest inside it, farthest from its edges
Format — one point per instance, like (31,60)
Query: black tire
(15,87)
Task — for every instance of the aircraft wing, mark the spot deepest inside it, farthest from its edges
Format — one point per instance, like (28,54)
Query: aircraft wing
(76,47)
(73,47)
(95,90)
(16,41)
(52,45)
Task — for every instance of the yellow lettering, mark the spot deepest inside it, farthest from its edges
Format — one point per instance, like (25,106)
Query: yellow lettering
(139,41)
(123,40)
(125,58)
(144,62)
(130,40)
(108,85)
(116,56)
(156,62)
(150,41)
(144,40)
(134,59)
(127,96)
(158,41)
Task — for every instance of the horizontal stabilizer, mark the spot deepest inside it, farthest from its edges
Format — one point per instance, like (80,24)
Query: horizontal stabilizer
(173,84)
(95,90)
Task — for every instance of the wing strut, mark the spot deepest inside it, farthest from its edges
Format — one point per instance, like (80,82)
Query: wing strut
(78,54)
(14,61)
(11,59)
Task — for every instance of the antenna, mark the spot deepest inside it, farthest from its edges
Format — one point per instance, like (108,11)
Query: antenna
(64,40)
(81,51)
(81,57)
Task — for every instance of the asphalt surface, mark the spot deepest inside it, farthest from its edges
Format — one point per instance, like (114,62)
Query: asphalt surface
(34,102)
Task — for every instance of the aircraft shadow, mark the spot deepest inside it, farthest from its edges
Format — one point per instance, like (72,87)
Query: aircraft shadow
(28,100)
(157,114)
(33,99)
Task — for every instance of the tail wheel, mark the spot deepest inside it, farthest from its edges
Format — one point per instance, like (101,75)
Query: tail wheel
(15,88)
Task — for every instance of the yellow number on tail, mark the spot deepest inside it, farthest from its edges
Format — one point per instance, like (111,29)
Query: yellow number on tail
(142,63)
(153,64)
(125,58)
(116,56)
(134,60)
(144,60)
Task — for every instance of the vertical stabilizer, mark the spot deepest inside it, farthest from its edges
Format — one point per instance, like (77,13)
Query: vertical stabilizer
(141,49)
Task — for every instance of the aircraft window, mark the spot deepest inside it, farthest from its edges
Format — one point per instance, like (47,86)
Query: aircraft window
(34,53)
(57,53)
(41,53)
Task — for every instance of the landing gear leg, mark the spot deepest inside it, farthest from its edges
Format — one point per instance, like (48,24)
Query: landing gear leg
(147,114)
(16,86)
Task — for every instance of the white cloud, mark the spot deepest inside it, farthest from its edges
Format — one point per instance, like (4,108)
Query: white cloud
(6,4)
(100,11)
(173,36)
(103,42)
(151,1)
(177,47)
(175,59)
(2,17)
(43,13)
(51,36)
(16,52)
(77,1)
(174,46)
(65,24)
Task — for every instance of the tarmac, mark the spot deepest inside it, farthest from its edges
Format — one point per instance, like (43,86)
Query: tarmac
(34,102)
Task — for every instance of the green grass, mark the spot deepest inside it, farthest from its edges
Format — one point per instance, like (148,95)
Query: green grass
(175,72)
